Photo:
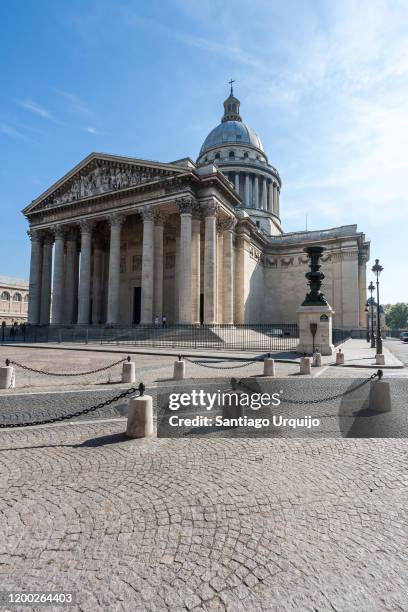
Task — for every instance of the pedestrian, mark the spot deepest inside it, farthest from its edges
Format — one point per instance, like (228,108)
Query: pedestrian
(164,320)
(156,321)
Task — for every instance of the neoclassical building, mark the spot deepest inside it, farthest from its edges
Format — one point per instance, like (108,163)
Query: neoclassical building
(13,300)
(120,240)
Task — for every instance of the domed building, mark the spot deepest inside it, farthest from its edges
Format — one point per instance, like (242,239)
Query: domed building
(237,150)
(123,241)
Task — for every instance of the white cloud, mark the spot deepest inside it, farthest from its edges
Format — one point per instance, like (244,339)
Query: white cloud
(37,109)
(91,130)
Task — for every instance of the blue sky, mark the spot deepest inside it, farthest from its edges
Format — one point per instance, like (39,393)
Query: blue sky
(324,83)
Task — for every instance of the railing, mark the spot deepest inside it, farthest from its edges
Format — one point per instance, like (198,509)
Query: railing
(340,335)
(268,337)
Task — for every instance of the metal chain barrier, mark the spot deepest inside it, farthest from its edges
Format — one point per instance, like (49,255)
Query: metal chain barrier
(216,366)
(65,417)
(378,374)
(29,369)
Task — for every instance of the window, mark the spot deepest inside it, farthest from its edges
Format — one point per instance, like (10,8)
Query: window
(26,297)
(122,265)
(257,224)
(5,296)
(245,154)
(231,154)
(17,297)
(217,156)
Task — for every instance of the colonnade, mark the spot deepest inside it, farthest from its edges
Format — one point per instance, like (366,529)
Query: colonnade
(76,275)
(256,190)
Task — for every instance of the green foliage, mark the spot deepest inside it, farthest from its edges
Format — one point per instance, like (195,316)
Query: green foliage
(396,315)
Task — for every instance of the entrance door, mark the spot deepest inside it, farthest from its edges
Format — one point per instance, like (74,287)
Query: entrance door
(137,299)
(201,308)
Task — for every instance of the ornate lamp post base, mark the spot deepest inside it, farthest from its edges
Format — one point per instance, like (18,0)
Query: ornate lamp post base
(321,340)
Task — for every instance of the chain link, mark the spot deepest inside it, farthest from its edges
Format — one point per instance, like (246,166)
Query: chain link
(72,415)
(216,366)
(108,367)
(319,400)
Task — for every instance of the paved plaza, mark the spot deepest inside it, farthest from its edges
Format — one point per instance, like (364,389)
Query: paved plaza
(204,523)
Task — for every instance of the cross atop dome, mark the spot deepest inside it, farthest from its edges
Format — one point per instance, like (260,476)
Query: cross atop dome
(231,106)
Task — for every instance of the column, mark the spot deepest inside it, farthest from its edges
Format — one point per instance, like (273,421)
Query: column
(76,282)
(237,182)
(270,196)
(275,199)
(196,268)
(177,276)
(97,283)
(112,316)
(210,261)
(185,206)
(46,280)
(158,267)
(84,292)
(228,272)
(362,284)
(264,196)
(57,306)
(219,268)
(256,191)
(70,274)
(247,202)
(147,266)
(34,295)
(240,278)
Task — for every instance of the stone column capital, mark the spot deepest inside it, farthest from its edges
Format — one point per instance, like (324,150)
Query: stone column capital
(86,226)
(59,232)
(116,220)
(210,209)
(147,213)
(35,235)
(159,219)
(187,205)
(227,225)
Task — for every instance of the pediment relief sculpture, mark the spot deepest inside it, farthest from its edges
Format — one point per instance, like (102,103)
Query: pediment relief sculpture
(100,178)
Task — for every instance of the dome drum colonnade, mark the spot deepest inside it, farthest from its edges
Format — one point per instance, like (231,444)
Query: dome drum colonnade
(76,277)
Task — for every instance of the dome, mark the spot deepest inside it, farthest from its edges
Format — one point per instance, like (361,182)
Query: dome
(231,132)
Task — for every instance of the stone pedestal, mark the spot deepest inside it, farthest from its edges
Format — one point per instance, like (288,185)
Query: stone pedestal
(269,367)
(140,417)
(317,360)
(339,358)
(305,365)
(128,372)
(380,396)
(179,370)
(232,409)
(7,377)
(322,317)
(380,359)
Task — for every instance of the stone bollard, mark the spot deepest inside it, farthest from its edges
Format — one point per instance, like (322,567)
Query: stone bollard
(379,359)
(179,369)
(269,366)
(317,360)
(140,417)
(232,410)
(339,358)
(380,396)
(7,377)
(305,367)
(129,372)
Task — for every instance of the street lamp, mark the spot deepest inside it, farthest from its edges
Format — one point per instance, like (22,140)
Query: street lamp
(371,289)
(377,269)
(366,310)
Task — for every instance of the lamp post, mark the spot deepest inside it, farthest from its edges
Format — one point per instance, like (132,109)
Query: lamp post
(366,310)
(377,269)
(371,289)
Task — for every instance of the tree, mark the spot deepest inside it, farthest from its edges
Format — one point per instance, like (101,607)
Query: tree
(396,315)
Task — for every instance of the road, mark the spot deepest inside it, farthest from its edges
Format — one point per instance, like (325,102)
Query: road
(399,349)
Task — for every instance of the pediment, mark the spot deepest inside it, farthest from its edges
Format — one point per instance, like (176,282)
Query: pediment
(101,174)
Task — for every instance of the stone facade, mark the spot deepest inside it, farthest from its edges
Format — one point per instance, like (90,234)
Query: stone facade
(135,240)
(13,300)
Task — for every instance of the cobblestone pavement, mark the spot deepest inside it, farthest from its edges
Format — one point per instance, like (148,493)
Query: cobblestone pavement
(240,525)
(149,368)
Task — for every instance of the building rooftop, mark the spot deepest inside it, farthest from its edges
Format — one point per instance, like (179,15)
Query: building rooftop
(12,281)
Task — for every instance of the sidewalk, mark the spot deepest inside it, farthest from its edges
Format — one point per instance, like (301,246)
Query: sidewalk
(358,354)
